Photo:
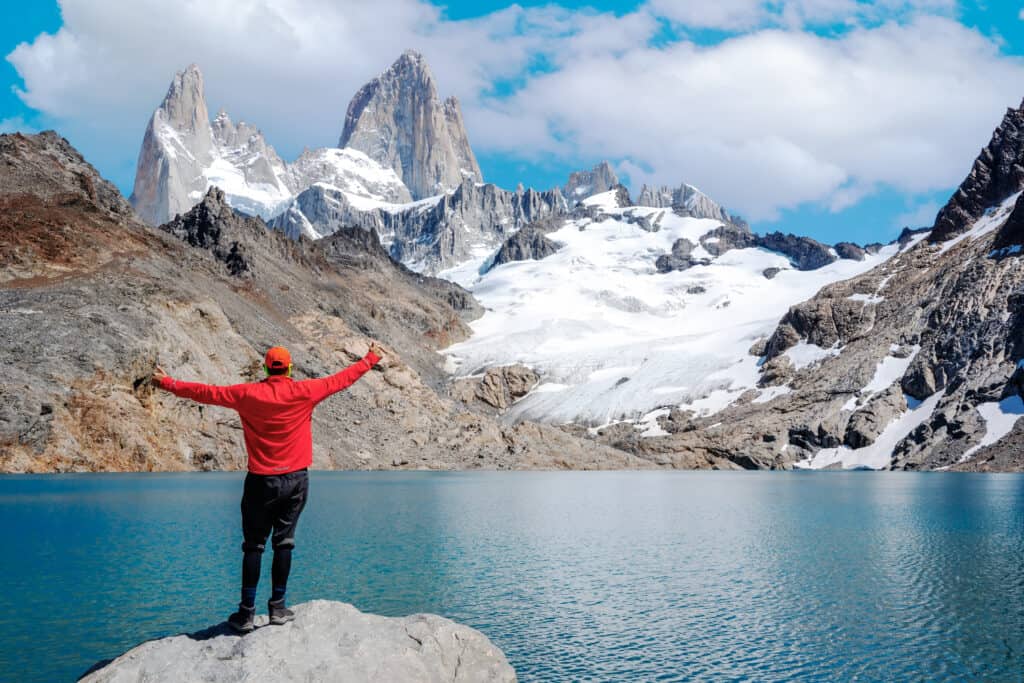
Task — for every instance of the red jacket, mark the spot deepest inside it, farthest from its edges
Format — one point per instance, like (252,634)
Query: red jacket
(275,413)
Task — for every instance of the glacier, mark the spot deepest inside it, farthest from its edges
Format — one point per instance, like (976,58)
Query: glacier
(614,339)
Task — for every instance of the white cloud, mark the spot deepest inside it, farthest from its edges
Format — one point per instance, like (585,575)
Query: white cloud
(771,119)
(741,15)
(1021,15)
(920,216)
(765,120)
(16,124)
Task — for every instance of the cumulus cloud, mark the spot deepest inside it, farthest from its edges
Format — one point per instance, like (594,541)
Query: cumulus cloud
(769,118)
(774,118)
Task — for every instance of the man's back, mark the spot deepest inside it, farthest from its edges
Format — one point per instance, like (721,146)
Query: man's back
(276,413)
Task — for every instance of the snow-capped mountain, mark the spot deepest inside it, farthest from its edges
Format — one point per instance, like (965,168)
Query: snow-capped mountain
(615,336)
(183,154)
(176,150)
(398,120)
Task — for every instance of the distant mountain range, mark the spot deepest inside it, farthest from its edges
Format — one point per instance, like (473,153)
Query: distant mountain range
(570,327)
(403,166)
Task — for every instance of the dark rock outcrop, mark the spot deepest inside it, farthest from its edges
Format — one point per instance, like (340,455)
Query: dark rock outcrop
(211,225)
(1012,232)
(528,243)
(997,173)
(849,250)
(680,258)
(803,252)
(726,237)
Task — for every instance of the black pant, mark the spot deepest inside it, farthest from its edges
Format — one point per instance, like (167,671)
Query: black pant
(270,503)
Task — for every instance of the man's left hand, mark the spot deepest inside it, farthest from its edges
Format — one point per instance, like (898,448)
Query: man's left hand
(158,375)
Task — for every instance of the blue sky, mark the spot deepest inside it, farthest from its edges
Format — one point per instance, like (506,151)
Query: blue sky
(892,124)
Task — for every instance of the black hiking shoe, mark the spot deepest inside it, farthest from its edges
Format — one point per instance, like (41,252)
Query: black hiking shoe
(241,620)
(279,614)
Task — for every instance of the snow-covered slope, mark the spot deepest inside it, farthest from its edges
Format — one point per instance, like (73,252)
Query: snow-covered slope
(613,338)
(351,172)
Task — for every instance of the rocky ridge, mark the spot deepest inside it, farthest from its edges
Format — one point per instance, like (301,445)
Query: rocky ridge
(326,641)
(432,234)
(686,200)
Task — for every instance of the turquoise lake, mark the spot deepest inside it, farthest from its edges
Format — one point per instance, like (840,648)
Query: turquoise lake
(604,576)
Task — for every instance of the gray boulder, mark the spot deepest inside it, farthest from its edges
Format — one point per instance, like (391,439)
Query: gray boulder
(499,387)
(867,423)
(327,641)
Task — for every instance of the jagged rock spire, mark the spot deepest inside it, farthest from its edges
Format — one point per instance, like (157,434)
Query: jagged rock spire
(398,120)
(998,172)
(177,146)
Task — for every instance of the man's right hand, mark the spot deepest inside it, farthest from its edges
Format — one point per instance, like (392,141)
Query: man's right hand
(158,375)
(376,349)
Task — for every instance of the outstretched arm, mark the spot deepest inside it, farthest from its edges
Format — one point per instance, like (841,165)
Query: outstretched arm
(324,387)
(203,393)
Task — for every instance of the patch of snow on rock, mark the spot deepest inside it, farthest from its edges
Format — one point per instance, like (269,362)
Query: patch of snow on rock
(877,455)
(1000,416)
(804,354)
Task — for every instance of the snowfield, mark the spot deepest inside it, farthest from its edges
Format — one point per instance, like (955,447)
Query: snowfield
(613,338)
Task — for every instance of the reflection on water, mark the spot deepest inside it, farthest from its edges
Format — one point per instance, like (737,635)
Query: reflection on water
(602,576)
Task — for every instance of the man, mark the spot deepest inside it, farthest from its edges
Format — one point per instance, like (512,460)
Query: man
(276,416)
